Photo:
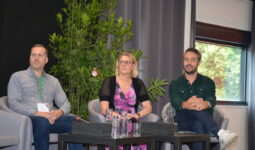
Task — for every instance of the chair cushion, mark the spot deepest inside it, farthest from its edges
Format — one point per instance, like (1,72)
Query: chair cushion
(6,141)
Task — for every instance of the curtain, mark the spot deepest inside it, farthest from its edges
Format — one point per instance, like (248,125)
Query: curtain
(251,86)
(159,32)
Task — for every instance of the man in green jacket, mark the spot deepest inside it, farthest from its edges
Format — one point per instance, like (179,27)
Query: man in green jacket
(193,97)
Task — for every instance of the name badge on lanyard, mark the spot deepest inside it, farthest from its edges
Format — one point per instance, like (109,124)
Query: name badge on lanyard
(43,107)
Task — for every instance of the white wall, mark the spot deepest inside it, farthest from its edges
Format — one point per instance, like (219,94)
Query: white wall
(229,13)
(238,118)
(234,14)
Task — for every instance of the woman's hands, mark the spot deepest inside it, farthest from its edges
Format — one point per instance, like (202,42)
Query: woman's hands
(136,116)
(146,109)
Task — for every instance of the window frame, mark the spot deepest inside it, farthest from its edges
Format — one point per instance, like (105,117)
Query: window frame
(228,36)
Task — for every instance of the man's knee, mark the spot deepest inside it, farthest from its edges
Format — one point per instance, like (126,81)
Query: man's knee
(65,122)
(198,127)
(66,119)
(203,116)
(184,120)
(41,122)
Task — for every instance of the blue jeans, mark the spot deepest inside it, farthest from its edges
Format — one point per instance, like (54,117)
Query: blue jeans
(42,128)
(197,121)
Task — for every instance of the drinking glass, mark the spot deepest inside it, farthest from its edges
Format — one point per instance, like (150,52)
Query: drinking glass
(115,128)
(137,129)
(123,127)
(168,117)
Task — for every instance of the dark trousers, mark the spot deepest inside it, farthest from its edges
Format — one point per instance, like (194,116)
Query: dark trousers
(42,128)
(197,121)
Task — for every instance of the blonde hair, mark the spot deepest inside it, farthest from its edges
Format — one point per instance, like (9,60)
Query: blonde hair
(134,72)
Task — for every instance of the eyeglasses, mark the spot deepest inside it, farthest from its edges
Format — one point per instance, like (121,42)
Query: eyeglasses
(37,55)
(122,62)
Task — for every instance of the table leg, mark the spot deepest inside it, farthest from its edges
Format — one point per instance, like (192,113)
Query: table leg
(114,147)
(151,146)
(101,147)
(157,145)
(177,146)
(206,145)
(62,145)
(126,146)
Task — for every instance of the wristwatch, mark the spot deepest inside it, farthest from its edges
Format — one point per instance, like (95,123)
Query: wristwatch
(138,114)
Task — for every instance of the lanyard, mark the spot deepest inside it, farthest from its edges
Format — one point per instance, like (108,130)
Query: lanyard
(40,86)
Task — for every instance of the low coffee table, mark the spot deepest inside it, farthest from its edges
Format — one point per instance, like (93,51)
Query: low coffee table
(179,139)
(63,139)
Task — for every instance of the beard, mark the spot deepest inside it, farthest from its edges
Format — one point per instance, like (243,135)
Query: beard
(190,72)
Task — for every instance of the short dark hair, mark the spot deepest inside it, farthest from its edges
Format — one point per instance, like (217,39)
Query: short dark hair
(193,50)
(40,45)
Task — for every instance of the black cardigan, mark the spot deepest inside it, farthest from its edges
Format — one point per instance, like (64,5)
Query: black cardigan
(107,91)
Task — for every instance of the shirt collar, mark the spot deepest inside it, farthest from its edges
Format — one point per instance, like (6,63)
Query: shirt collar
(32,74)
(184,77)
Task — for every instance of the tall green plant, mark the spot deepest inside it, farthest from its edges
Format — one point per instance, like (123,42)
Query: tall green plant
(91,39)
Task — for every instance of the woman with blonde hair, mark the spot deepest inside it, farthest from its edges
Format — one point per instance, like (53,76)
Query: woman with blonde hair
(125,91)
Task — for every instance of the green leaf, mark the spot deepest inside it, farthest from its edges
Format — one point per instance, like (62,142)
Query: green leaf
(59,18)
(85,18)
(156,89)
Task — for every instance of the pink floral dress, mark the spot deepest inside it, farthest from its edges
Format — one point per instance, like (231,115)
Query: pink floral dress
(126,102)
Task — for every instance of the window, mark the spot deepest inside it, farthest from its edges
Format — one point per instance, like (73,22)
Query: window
(223,64)
(223,60)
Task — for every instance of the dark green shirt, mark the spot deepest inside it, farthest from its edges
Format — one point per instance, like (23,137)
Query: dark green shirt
(180,90)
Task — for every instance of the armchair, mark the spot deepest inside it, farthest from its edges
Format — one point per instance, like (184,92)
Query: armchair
(22,127)
(219,117)
(14,131)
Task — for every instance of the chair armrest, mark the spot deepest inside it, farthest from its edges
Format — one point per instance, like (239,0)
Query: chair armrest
(164,111)
(93,115)
(96,117)
(4,104)
(11,124)
(220,118)
(151,117)
(17,125)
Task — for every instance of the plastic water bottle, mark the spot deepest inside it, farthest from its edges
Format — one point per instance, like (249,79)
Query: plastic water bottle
(123,127)
(169,116)
(123,124)
(115,127)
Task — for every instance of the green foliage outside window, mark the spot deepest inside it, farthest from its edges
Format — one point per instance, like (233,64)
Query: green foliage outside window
(222,64)
(91,39)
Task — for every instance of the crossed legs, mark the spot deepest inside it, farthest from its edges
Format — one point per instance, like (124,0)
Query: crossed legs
(197,121)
